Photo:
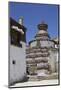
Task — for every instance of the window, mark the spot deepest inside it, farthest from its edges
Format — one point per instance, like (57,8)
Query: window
(13,62)
(15,38)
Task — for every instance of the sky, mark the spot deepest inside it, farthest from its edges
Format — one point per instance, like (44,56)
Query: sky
(33,15)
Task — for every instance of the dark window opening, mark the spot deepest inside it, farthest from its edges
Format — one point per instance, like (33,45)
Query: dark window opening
(15,38)
(13,62)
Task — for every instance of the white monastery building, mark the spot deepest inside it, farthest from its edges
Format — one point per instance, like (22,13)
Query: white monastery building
(17,43)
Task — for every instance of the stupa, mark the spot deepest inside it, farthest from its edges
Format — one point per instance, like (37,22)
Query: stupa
(38,54)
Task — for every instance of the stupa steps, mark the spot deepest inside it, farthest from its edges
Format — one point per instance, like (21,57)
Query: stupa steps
(37,55)
(35,61)
(36,51)
(44,66)
(47,77)
(30,48)
(40,65)
(38,58)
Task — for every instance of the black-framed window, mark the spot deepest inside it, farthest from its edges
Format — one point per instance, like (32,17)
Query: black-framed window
(15,38)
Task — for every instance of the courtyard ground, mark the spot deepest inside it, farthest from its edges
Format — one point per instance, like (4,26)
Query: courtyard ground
(37,83)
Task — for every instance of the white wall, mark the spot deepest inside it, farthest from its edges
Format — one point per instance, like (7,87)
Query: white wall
(57,60)
(47,44)
(53,59)
(17,70)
